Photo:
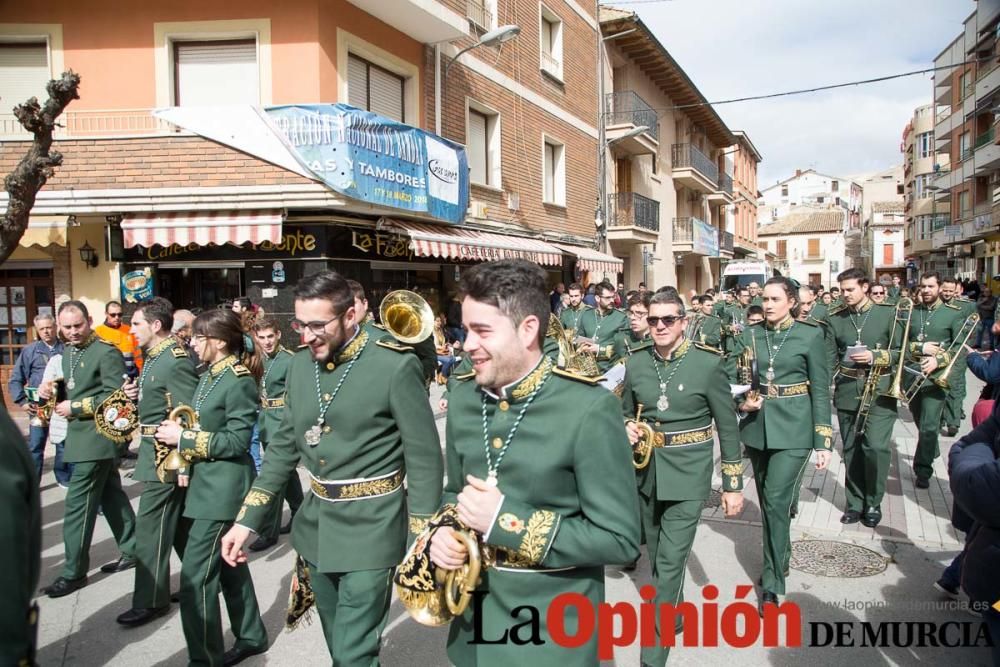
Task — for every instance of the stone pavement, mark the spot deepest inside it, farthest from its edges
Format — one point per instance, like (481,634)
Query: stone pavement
(906,554)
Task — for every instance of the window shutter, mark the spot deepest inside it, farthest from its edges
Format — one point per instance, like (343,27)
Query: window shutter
(216,73)
(887,254)
(386,93)
(478,148)
(782,248)
(814,247)
(24,71)
(357,82)
(550,169)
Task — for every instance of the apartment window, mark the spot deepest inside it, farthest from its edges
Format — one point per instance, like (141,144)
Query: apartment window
(375,89)
(834,186)
(820,200)
(762,245)
(24,71)
(482,13)
(964,205)
(964,149)
(812,248)
(887,258)
(784,190)
(216,72)
(925,144)
(899,189)
(554,172)
(482,144)
(551,46)
(782,251)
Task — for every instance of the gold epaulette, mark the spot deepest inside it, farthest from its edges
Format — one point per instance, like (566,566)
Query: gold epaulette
(178,352)
(240,370)
(949,305)
(708,348)
(576,376)
(814,323)
(462,377)
(393,345)
(886,305)
(285,349)
(836,309)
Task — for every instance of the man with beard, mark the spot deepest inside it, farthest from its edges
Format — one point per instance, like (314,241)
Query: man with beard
(158,525)
(952,415)
(357,418)
(554,498)
(570,316)
(600,326)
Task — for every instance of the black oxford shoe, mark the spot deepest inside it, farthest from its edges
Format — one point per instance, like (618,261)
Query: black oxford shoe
(767,597)
(850,516)
(63,586)
(133,618)
(872,517)
(120,565)
(922,483)
(238,654)
(287,528)
(263,543)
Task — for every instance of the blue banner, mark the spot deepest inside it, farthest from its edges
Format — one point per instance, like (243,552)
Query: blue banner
(377,160)
(706,238)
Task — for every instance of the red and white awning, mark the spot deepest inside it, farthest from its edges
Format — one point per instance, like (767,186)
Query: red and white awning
(589,259)
(202,228)
(459,243)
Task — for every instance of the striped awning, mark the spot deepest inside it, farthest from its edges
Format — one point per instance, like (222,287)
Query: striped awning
(202,228)
(589,259)
(459,243)
(45,230)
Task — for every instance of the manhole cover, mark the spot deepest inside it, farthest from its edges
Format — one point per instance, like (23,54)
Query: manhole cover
(827,558)
(714,499)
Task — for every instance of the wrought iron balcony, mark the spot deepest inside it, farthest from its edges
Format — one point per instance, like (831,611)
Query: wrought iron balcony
(627,108)
(725,241)
(725,183)
(693,169)
(628,209)
(683,230)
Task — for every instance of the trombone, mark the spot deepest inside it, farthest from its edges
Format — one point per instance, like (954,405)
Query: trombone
(895,389)
(938,376)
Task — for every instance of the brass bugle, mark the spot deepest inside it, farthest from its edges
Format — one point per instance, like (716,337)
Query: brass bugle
(642,451)
(407,316)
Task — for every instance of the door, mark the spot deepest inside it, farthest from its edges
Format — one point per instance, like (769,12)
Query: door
(623,186)
(815,279)
(23,294)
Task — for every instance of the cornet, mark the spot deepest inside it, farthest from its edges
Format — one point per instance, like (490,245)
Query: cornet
(642,451)
(168,459)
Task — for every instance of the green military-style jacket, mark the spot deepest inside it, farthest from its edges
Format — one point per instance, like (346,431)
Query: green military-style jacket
(602,329)
(876,324)
(709,331)
(938,323)
(831,344)
(424,350)
(166,368)
(757,300)
(798,396)
(225,404)
(569,504)
(377,429)
(892,292)
(819,311)
(719,308)
(699,403)
(569,317)
(95,370)
(272,392)
(627,344)
(21,529)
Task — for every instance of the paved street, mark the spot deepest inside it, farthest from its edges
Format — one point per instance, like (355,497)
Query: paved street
(915,540)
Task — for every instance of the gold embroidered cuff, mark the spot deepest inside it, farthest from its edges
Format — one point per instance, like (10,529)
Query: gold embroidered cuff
(82,408)
(418,523)
(825,439)
(194,445)
(881,357)
(255,498)
(531,538)
(732,476)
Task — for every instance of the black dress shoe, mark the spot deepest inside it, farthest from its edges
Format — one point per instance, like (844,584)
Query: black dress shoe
(238,654)
(63,586)
(133,618)
(952,431)
(175,597)
(872,517)
(851,516)
(793,511)
(922,483)
(767,597)
(120,565)
(287,528)
(263,543)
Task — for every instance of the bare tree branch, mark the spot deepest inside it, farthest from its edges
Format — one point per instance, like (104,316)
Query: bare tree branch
(39,163)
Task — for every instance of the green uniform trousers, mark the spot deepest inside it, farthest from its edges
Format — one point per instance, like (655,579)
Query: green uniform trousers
(866,457)
(953,413)
(926,407)
(158,527)
(292,493)
(775,474)
(95,485)
(203,574)
(353,608)
(675,524)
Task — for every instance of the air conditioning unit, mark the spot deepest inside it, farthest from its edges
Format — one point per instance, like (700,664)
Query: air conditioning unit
(478,209)
(514,201)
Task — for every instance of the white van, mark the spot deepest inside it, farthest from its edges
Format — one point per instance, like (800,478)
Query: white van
(741,273)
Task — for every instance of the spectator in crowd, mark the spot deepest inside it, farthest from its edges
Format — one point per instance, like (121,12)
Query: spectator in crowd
(453,320)
(26,377)
(242,305)
(827,298)
(986,307)
(620,297)
(590,298)
(642,288)
(183,319)
(555,298)
(115,331)
(445,352)
(57,426)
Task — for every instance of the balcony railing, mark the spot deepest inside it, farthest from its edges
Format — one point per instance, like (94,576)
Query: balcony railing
(969,89)
(479,13)
(97,122)
(627,108)
(985,138)
(964,154)
(551,64)
(725,183)
(683,230)
(725,241)
(986,67)
(627,209)
(687,156)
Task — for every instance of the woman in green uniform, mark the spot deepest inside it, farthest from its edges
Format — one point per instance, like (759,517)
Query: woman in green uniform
(794,392)
(221,471)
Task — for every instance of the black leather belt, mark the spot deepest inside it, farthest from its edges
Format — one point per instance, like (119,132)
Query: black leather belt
(338,491)
(855,373)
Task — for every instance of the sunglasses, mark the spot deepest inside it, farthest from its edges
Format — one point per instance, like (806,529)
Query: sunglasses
(668,320)
(877,293)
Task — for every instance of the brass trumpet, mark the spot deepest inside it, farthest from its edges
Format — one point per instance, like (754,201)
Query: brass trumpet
(407,316)
(168,459)
(643,449)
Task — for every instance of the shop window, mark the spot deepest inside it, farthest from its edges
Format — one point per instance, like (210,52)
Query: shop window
(216,72)
(375,89)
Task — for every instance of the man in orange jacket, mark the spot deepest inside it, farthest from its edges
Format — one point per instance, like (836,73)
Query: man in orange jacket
(115,331)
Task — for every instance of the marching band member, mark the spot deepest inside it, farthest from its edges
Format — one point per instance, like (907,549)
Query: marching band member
(601,325)
(953,414)
(684,392)
(795,390)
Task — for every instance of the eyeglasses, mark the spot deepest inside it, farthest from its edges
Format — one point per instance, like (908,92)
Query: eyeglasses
(879,293)
(638,314)
(317,328)
(668,320)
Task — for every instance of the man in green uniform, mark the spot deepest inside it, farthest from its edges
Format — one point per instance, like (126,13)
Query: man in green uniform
(735,318)
(277,360)
(709,330)
(808,311)
(570,316)
(753,290)
(684,393)
(158,527)
(93,371)
(357,418)
(554,498)
(895,289)
(934,325)
(952,415)
(862,330)
(600,326)
(637,337)
(21,527)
